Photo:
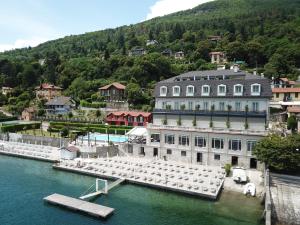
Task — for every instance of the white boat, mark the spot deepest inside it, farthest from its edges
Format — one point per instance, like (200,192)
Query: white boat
(249,189)
(239,175)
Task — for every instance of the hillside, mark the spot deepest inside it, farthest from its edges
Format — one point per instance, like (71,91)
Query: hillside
(263,33)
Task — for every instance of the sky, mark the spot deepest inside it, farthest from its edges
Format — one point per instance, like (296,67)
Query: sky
(31,22)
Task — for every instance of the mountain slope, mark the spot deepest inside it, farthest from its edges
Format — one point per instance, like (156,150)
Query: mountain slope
(263,33)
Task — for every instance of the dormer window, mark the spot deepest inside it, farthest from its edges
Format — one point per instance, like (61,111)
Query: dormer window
(221,90)
(205,90)
(238,90)
(255,89)
(176,91)
(163,91)
(190,90)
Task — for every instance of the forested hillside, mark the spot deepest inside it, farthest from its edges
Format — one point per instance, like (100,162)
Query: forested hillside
(263,33)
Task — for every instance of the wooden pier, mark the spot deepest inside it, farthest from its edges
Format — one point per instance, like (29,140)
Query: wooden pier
(79,205)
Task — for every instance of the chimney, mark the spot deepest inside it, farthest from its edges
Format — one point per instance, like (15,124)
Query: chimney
(262,75)
(236,68)
(254,72)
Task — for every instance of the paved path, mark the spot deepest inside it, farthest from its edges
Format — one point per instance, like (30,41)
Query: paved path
(285,196)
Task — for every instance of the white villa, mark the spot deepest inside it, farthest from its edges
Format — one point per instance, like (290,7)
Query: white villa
(208,117)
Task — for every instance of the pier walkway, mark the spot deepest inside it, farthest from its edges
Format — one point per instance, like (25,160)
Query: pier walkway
(79,205)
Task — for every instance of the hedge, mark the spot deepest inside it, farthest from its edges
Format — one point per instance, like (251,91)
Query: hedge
(4,119)
(92,126)
(96,105)
(20,127)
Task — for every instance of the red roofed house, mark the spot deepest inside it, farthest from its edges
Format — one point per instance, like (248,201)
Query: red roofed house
(282,83)
(218,57)
(114,92)
(47,91)
(286,94)
(129,118)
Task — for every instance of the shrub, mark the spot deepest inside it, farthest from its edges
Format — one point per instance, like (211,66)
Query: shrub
(227,168)
(18,127)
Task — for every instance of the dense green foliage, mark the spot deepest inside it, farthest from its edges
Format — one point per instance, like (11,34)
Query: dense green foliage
(292,123)
(19,127)
(279,153)
(263,33)
(84,128)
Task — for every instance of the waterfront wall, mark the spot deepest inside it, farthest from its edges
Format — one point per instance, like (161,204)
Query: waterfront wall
(39,140)
(268,204)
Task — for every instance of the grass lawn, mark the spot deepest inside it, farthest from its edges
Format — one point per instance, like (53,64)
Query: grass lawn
(39,132)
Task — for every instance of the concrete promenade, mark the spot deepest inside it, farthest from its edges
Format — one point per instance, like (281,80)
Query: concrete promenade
(285,196)
(190,179)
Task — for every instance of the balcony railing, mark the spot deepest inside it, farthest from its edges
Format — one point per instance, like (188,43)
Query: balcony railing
(220,113)
(208,130)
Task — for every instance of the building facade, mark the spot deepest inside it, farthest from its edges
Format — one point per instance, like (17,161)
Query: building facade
(47,91)
(114,92)
(218,57)
(208,117)
(129,118)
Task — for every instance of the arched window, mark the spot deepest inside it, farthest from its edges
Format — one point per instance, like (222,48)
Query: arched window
(205,90)
(221,90)
(238,90)
(255,89)
(190,90)
(176,91)
(163,91)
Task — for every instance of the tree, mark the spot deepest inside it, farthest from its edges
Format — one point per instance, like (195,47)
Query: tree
(279,153)
(64,132)
(292,123)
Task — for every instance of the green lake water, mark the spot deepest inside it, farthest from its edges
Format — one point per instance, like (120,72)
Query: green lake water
(24,183)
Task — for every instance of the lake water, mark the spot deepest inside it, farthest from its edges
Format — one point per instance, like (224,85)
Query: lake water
(24,183)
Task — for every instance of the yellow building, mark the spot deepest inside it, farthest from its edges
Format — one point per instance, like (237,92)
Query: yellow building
(286,94)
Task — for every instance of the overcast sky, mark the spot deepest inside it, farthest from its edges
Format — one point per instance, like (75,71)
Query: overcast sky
(30,22)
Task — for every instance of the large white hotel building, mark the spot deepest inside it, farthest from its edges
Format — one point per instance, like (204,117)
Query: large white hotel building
(208,117)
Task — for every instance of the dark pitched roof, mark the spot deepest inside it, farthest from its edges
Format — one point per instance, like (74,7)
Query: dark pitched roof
(197,79)
(60,100)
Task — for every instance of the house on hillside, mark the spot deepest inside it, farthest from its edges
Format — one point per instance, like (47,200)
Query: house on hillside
(47,91)
(114,92)
(214,38)
(6,90)
(167,52)
(151,42)
(282,82)
(28,113)
(129,118)
(59,105)
(286,94)
(179,55)
(218,57)
(137,52)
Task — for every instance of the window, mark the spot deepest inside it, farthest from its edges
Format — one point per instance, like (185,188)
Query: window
(176,106)
(221,90)
(255,106)
(155,138)
(238,90)
(255,89)
(169,139)
(190,90)
(217,143)
(164,105)
(205,106)
(183,153)
(190,105)
(176,91)
(205,90)
(221,106)
(296,95)
(237,106)
(250,145)
(169,152)
(235,145)
(217,157)
(183,140)
(277,95)
(163,91)
(200,142)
